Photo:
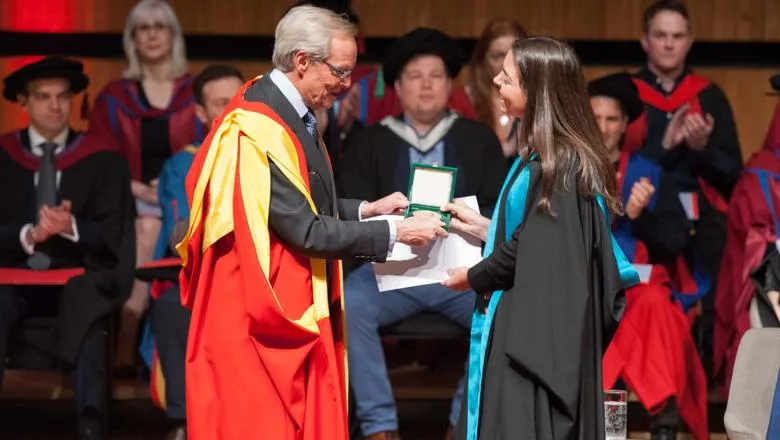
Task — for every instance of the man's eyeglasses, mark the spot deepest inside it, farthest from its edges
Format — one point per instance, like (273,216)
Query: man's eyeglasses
(337,72)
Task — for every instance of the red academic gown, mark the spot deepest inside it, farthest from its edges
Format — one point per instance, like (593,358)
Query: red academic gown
(118,113)
(652,349)
(750,229)
(266,350)
(687,92)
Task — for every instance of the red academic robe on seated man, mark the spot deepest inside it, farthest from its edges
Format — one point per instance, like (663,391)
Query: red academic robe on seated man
(653,350)
(266,349)
(752,228)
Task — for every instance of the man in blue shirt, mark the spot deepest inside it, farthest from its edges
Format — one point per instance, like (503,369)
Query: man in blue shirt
(213,89)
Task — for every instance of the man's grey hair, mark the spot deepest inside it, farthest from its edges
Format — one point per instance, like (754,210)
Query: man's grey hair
(308,29)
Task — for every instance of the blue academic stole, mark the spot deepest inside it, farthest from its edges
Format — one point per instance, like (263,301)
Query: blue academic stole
(482,320)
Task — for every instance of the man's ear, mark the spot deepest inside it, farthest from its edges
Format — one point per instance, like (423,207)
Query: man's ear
(22,100)
(301,62)
(643,41)
(200,112)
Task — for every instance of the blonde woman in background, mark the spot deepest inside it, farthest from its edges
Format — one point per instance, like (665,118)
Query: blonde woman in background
(149,115)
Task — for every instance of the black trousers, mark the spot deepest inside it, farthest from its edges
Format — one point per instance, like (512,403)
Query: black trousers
(709,243)
(89,374)
(170,324)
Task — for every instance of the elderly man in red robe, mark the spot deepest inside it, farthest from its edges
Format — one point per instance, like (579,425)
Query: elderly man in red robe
(266,350)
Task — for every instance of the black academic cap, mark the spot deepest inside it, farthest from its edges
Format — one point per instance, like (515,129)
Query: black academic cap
(50,67)
(337,6)
(422,41)
(774,81)
(619,86)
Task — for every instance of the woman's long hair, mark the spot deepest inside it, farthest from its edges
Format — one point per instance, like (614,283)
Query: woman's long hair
(559,124)
(481,78)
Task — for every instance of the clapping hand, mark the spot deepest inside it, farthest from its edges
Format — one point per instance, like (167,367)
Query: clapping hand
(675,129)
(641,193)
(697,130)
(349,108)
(56,220)
(694,129)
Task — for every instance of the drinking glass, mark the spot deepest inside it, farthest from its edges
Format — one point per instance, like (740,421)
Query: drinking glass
(615,411)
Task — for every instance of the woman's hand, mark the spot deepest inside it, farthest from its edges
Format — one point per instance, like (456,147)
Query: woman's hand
(147,193)
(467,220)
(458,280)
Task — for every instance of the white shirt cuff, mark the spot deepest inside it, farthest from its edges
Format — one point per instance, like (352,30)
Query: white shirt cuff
(393,233)
(360,210)
(75,237)
(28,248)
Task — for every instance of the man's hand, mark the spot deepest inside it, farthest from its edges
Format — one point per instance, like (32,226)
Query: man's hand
(419,230)
(698,130)
(56,220)
(395,203)
(676,129)
(641,193)
(349,108)
(37,235)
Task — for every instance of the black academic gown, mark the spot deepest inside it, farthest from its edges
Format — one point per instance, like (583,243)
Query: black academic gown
(376,163)
(97,182)
(563,296)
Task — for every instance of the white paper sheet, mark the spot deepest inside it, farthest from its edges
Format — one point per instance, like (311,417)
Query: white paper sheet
(409,267)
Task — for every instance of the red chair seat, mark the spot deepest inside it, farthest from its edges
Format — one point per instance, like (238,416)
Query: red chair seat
(165,269)
(29,277)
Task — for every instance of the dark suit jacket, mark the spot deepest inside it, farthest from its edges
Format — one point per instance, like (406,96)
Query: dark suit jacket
(98,187)
(377,163)
(335,233)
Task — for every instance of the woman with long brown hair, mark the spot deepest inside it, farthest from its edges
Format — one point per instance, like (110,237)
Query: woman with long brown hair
(550,289)
(479,99)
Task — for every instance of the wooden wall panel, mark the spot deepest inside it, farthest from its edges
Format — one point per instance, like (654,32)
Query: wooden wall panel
(717,20)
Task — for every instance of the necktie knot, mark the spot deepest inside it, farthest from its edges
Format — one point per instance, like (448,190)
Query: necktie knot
(48,148)
(311,123)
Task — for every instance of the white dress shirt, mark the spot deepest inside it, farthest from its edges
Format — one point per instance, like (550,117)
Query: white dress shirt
(36,139)
(294,97)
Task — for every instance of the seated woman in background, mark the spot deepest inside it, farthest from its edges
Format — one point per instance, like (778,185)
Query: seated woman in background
(149,114)
(479,99)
